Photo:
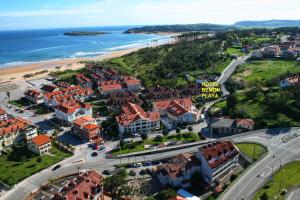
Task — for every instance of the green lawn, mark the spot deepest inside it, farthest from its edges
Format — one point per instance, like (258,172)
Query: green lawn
(139,146)
(21,163)
(286,178)
(20,102)
(235,50)
(221,66)
(254,151)
(264,71)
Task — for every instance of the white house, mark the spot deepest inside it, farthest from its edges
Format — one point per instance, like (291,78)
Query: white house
(178,111)
(217,159)
(133,119)
(40,144)
(34,96)
(70,111)
(15,130)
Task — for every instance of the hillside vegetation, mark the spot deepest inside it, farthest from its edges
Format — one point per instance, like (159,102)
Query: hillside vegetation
(167,64)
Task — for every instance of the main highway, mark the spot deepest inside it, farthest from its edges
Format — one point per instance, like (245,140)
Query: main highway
(256,176)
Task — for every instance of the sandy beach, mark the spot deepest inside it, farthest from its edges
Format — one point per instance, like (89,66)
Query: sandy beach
(43,68)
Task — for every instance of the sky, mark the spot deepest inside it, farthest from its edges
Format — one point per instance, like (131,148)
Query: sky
(35,14)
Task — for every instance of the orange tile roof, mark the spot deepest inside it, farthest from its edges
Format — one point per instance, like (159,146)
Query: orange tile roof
(132,112)
(2,112)
(90,127)
(11,125)
(32,93)
(221,150)
(83,120)
(111,87)
(41,140)
(247,122)
(132,82)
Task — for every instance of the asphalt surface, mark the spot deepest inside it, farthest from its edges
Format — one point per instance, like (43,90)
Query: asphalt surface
(257,175)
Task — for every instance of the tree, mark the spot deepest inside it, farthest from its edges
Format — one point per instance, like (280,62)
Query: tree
(144,136)
(165,132)
(117,186)
(39,159)
(264,196)
(8,95)
(166,194)
(190,128)
(178,130)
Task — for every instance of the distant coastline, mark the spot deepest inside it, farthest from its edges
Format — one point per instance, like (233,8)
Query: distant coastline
(85,33)
(17,72)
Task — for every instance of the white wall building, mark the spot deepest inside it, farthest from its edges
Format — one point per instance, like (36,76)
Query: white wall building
(40,144)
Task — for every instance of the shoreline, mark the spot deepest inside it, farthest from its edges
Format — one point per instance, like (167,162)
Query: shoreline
(43,68)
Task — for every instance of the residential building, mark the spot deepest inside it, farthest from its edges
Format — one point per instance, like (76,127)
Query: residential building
(131,83)
(64,85)
(179,170)
(86,128)
(49,88)
(71,110)
(83,81)
(15,130)
(297,40)
(40,144)
(117,100)
(109,87)
(133,119)
(292,81)
(73,93)
(34,96)
(217,159)
(3,114)
(247,124)
(159,93)
(86,185)
(230,126)
(178,111)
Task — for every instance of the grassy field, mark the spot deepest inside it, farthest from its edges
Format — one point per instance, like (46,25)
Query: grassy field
(288,177)
(234,50)
(139,146)
(21,163)
(254,151)
(264,71)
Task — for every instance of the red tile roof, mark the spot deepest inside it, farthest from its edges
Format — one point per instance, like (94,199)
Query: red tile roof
(175,107)
(2,112)
(82,78)
(132,112)
(111,87)
(41,140)
(245,122)
(218,152)
(84,120)
(83,187)
(11,125)
(90,127)
(32,93)
(132,82)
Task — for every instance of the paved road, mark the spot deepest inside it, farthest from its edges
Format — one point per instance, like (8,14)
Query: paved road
(229,71)
(279,154)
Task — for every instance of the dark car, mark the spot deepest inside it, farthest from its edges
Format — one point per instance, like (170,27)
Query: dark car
(94,154)
(56,167)
(147,163)
(106,172)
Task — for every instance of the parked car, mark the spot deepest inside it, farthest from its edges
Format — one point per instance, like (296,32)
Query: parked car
(106,172)
(94,154)
(56,167)
(147,163)
(132,173)
(137,165)
(143,172)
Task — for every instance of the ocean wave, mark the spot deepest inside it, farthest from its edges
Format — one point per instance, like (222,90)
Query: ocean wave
(87,54)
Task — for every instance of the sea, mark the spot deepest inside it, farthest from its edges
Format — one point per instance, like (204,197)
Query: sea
(30,46)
